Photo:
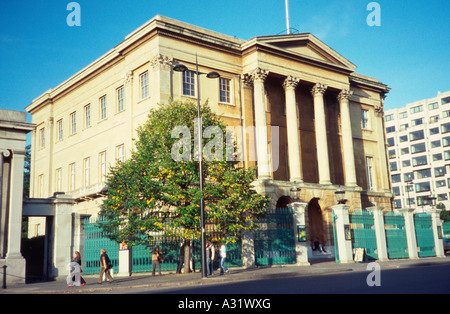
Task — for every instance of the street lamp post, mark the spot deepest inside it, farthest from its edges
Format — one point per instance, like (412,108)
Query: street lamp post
(183,68)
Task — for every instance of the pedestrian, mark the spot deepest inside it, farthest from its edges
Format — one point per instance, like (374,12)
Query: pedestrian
(157,258)
(77,259)
(223,256)
(105,266)
(181,258)
(210,252)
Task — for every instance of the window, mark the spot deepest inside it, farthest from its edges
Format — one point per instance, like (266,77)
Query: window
(120,153)
(403,127)
(446,141)
(425,173)
(445,100)
(143,82)
(42,138)
(407,177)
(389,117)
(403,115)
(103,112)
(417,135)
(435,144)
(73,122)
(369,170)
(364,119)
(440,171)
(434,131)
(71,176)
(120,99)
(393,166)
(404,151)
(445,113)
(390,129)
(437,157)
(423,200)
(397,203)
(41,186)
(403,138)
(189,83)
(417,148)
(87,116)
(417,122)
(433,106)
(416,109)
(423,187)
(396,178)
(442,197)
(392,153)
(419,161)
(225,90)
(445,128)
(440,183)
(434,119)
(406,163)
(58,180)
(391,141)
(102,166)
(446,155)
(396,190)
(59,130)
(87,171)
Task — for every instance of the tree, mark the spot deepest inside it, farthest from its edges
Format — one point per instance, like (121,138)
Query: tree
(157,190)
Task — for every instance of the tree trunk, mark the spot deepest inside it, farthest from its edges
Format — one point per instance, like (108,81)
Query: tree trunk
(187,256)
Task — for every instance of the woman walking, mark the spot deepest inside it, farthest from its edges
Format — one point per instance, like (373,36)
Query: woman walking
(223,256)
(156,259)
(105,266)
(77,259)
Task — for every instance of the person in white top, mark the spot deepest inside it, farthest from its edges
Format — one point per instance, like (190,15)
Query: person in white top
(223,256)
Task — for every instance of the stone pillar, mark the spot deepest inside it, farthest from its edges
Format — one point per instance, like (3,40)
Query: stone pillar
(125,262)
(408,213)
(347,138)
(341,222)
(437,224)
(262,144)
(160,86)
(248,250)
(321,133)
(301,249)
(380,232)
(292,129)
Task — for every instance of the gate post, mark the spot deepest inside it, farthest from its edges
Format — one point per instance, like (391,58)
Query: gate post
(380,233)
(301,250)
(437,224)
(410,232)
(343,243)
(248,250)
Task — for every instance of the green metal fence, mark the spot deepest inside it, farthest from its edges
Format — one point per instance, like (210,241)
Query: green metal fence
(363,232)
(275,239)
(94,241)
(397,245)
(424,235)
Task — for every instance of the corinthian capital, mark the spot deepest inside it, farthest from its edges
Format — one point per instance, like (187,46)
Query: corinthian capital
(344,94)
(319,89)
(291,82)
(259,74)
(159,59)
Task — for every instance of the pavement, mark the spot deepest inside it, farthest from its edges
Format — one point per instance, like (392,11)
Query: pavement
(171,280)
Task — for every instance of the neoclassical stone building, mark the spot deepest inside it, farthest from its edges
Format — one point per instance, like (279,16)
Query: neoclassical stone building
(319,122)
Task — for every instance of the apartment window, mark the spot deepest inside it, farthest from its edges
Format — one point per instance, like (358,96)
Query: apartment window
(433,106)
(392,153)
(403,115)
(58,180)
(87,171)
(404,151)
(446,155)
(189,83)
(419,161)
(396,190)
(440,183)
(369,171)
(445,100)
(445,128)
(403,127)
(418,148)
(103,112)
(417,122)
(102,166)
(225,90)
(434,131)
(423,187)
(435,144)
(423,200)
(87,116)
(389,117)
(120,99)
(390,129)
(434,119)
(407,177)
(396,178)
(438,156)
(364,119)
(71,176)
(143,81)
(393,166)
(120,153)
(425,173)
(42,138)
(390,141)
(406,163)
(416,109)
(445,113)
(440,171)
(403,138)
(442,197)
(73,122)
(59,130)
(417,135)
(41,186)
(446,141)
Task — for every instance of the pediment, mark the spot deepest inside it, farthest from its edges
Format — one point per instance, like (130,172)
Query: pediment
(309,46)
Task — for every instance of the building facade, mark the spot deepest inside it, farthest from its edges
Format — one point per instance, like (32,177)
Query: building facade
(418,137)
(321,122)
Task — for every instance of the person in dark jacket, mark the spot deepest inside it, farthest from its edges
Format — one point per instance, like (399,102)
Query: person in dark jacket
(105,266)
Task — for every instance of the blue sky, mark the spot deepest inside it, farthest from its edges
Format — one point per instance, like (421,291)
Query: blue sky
(409,51)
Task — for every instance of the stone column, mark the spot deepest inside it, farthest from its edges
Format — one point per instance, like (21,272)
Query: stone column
(248,250)
(408,213)
(290,83)
(380,232)
(341,220)
(347,138)
(301,249)
(262,144)
(321,133)
(437,224)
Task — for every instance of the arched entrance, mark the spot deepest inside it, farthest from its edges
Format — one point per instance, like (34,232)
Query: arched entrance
(316,230)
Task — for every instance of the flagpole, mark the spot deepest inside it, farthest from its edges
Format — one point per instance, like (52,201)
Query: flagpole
(287,17)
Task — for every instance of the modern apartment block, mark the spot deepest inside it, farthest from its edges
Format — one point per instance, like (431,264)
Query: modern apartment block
(418,138)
